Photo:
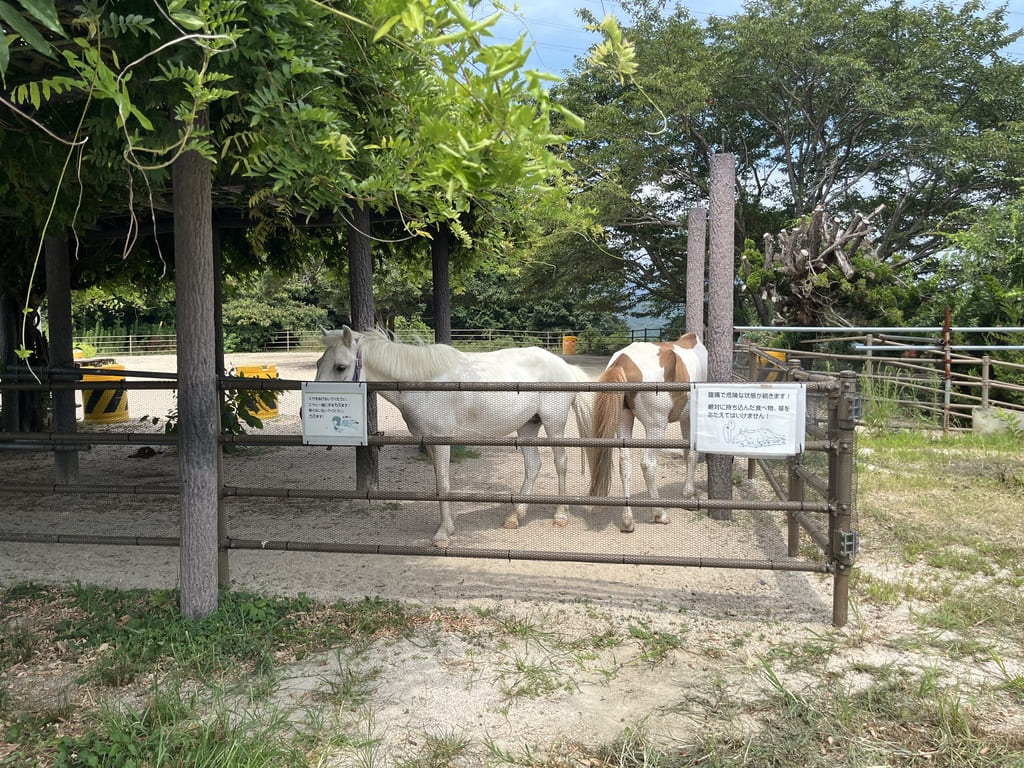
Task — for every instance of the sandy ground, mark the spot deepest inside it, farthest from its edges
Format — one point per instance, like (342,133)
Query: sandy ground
(446,685)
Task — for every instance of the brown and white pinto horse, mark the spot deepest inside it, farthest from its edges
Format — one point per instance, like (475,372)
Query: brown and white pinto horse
(683,360)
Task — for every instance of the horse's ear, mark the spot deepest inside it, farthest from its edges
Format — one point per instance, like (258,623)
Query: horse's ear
(347,336)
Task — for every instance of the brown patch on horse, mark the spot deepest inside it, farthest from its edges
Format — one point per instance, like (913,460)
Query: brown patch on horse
(675,371)
(622,371)
(687,341)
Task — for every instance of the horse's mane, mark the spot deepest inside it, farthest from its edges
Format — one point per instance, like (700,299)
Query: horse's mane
(402,362)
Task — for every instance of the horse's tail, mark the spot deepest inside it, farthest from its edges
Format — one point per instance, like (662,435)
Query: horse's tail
(606,415)
(582,408)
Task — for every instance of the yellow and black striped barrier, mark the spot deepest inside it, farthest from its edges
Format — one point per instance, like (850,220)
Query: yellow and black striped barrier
(265,409)
(105,406)
(769,370)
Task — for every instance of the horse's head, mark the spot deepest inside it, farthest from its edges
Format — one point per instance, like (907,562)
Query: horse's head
(342,358)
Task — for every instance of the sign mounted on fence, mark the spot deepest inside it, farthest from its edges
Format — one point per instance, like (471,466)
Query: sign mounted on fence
(752,420)
(333,413)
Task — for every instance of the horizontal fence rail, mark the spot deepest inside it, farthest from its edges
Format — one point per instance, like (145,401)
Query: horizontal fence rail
(814,513)
(909,378)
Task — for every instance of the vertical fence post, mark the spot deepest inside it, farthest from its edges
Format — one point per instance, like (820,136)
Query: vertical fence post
(844,405)
(947,354)
(986,366)
(753,357)
(795,492)
(795,483)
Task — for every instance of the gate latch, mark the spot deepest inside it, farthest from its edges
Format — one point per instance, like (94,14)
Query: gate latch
(851,407)
(849,544)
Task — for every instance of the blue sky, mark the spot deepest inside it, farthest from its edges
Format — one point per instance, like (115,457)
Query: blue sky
(558,36)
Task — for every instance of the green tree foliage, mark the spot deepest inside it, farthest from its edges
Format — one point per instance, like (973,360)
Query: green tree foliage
(983,271)
(305,109)
(832,107)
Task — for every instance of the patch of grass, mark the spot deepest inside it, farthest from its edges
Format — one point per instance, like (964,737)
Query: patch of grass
(959,560)
(439,751)
(18,644)
(181,730)
(528,678)
(900,719)
(983,608)
(655,645)
(815,650)
(1012,684)
(141,628)
(33,725)
(349,688)
(523,629)
(876,590)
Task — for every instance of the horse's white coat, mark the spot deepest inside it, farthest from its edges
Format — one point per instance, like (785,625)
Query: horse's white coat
(371,356)
(683,360)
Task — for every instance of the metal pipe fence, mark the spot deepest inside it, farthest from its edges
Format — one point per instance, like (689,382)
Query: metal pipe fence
(765,510)
(912,381)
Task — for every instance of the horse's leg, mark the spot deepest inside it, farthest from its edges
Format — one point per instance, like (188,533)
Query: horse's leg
(531,466)
(626,467)
(441,456)
(649,465)
(691,456)
(561,467)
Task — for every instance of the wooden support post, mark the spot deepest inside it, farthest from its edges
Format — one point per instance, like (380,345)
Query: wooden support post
(58,300)
(361,312)
(198,390)
(842,430)
(696,262)
(440,260)
(721,276)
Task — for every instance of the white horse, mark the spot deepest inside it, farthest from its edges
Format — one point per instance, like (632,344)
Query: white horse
(683,360)
(371,356)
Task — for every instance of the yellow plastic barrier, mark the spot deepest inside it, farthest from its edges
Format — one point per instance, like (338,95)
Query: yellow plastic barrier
(568,345)
(105,406)
(263,410)
(769,371)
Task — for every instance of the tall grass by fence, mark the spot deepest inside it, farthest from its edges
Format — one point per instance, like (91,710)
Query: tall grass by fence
(915,377)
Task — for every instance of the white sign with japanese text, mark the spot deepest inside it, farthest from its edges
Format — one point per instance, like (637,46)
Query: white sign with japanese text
(333,413)
(752,420)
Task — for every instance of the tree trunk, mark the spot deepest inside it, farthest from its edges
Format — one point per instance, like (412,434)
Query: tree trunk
(58,301)
(9,398)
(720,308)
(361,313)
(696,259)
(440,260)
(198,391)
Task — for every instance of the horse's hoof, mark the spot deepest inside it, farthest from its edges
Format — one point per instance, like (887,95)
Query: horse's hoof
(627,530)
(661,519)
(511,523)
(440,543)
